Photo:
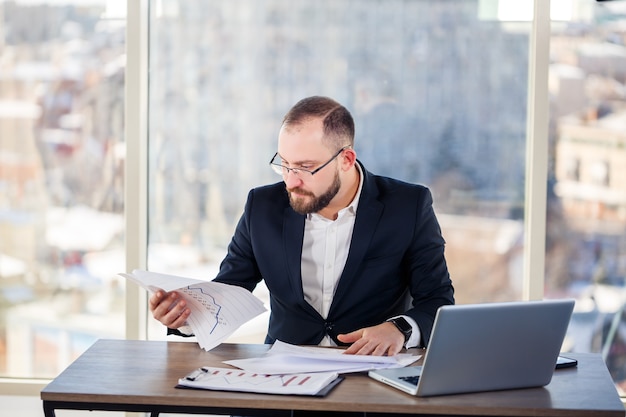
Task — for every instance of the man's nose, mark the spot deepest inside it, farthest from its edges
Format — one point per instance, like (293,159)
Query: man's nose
(291,179)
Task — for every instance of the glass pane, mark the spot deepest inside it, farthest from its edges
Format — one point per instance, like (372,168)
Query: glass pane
(61,181)
(586,237)
(438,92)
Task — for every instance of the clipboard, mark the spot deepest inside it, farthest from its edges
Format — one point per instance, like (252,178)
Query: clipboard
(317,384)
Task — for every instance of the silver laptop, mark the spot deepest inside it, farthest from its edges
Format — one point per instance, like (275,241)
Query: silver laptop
(487,347)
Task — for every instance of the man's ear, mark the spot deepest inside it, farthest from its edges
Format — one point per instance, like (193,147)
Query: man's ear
(348,159)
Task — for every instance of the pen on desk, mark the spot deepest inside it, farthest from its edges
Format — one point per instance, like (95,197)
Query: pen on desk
(195,374)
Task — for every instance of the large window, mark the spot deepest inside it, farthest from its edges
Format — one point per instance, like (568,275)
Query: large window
(586,235)
(61,182)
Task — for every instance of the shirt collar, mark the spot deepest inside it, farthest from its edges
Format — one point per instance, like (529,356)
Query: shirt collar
(352,207)
(355,201)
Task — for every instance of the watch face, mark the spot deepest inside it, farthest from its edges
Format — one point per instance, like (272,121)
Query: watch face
(402,324)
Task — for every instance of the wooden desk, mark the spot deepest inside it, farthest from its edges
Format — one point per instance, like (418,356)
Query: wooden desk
(128,375)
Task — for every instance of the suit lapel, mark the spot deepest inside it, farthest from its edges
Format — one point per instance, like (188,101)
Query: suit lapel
(367,217)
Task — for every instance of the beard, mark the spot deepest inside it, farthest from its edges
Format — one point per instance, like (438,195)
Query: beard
(314,204)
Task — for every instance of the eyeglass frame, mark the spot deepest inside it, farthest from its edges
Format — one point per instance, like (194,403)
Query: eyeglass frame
(284,171)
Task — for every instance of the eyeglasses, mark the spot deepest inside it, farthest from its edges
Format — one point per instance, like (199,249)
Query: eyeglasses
(283,170)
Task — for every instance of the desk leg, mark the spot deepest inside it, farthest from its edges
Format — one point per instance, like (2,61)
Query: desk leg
(48,409)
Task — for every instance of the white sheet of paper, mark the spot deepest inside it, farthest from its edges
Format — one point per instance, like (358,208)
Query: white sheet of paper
(217,309)
(284,358)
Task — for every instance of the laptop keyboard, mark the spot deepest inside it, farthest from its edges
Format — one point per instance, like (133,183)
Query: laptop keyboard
(411,379)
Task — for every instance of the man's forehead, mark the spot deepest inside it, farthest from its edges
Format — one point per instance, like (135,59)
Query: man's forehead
(301,154)
(298,141)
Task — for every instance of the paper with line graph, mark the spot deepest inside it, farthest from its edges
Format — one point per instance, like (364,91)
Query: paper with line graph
(217,309)
(225,379)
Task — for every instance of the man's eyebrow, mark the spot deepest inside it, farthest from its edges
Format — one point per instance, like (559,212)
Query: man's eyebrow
(306,161)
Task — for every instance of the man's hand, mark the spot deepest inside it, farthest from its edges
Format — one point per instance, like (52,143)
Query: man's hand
(384,339)
(169,308)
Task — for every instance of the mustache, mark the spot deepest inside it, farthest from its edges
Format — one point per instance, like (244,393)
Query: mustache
(300,191)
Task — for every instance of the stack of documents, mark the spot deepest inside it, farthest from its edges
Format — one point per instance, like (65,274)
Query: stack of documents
(217,309)
(283,358)
(290,369)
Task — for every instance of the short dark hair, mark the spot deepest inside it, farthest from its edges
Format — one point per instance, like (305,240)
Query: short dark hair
(338,122)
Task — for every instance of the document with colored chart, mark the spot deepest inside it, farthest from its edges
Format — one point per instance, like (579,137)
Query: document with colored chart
(217,309)
(226,379)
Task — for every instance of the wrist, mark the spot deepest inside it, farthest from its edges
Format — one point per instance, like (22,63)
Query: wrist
(403,326)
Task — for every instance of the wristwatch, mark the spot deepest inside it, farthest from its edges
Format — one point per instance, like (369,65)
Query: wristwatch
(404,327)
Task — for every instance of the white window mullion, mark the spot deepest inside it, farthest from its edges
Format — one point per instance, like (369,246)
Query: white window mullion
(136,168)
(537,153)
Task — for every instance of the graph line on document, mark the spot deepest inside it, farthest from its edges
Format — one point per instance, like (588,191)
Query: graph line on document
(192,291)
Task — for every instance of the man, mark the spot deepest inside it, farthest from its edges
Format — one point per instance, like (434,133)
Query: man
(349,258)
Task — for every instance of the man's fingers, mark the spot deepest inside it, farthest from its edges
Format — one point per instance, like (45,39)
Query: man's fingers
(380,340)
(155,299)
(180,320)
(169,309)
(356,348)
(350,337)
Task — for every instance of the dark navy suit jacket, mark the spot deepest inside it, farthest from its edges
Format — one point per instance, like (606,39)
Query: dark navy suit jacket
(395,266)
